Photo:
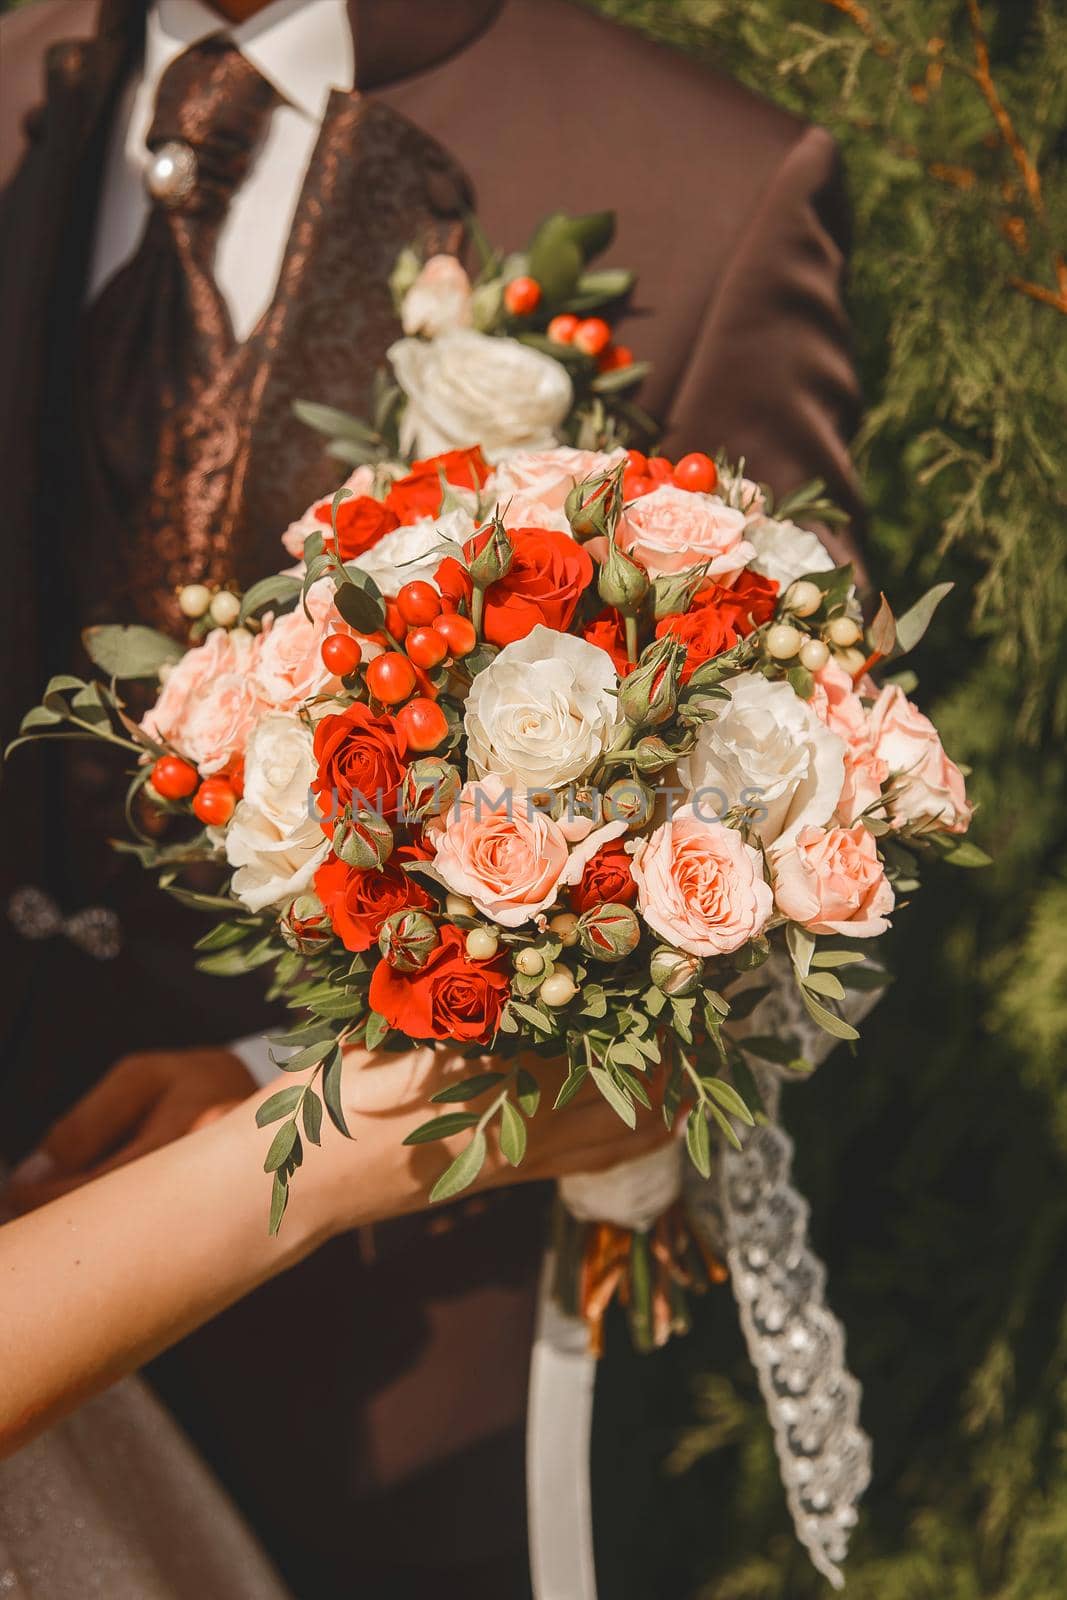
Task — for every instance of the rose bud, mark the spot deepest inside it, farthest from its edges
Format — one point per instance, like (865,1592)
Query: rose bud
(407,940)
(652,755)
(493,560)
(609,932)
(593,506)
(430,787)
(622,583)
(580,804)
(674,593)
(649,696)
(364,841)
(305,925)
(674,971)
(629,800)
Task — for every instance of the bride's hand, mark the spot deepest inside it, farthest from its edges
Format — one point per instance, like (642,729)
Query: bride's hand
(386,1097)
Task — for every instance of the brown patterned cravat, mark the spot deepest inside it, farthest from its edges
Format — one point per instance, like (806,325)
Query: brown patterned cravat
(160,331)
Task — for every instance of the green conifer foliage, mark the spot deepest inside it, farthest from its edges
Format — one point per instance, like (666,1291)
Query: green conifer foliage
(936,1162)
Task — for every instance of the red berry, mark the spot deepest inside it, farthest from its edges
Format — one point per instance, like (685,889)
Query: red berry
(174,778)
(615,357)
(423,724)
(426,647)
(390,678)
(418,603)
(522,296)
(214,802)
(637,461)
(561,329)
(697,473)
(591,336)
(660,468)
(635,484)
(457,632)
(395,625)
(341,654)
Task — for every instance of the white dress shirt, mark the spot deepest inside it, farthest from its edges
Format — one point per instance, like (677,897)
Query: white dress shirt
(304,48)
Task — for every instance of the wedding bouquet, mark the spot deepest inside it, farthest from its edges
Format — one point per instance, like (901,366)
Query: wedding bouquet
(540,742)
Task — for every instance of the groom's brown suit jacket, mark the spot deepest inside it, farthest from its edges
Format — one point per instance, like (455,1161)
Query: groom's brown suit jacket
(392,1395)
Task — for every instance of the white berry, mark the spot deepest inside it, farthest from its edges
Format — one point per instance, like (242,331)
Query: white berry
(194,600)
(803,597)
(558,989)
(565,926)
(842,631)
(529,962)
(783,640)
(814,655)
(225,608)
(482,945)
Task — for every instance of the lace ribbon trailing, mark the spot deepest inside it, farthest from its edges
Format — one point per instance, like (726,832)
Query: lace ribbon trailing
(751,1213)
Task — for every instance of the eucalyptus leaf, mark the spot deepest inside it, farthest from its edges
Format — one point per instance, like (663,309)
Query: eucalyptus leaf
(914,623)
(130,651)
(279,1104)
(312,1116)
(278,591)
(463,1170)
(468,1088)
(281,1147)
(698,1140)
(442,1127)
(512,1133)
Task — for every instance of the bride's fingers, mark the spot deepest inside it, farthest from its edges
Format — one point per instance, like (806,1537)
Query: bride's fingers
(90,1130)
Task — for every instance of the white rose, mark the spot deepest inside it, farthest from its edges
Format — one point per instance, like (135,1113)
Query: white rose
(439,299)
(786,552)
(273,841)
(544,712)
(414,552)
(468,388)
(766,750)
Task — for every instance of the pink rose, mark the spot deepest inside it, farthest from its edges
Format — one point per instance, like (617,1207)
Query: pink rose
(832,881)
(531,486)
(700,886)
(836,703)
(927,788)
(672,529)
(289,668)
(361,482)
(508,858)
(210,700)
(439,299)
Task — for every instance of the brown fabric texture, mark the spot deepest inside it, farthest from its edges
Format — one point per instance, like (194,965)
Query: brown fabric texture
(734,216)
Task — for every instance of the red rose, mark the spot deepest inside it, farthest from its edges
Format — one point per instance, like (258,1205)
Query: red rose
(361,522)
(451,997)
(359,756)
(607,880)
(607,631)
(719,617)
(420,493)
(357,901)
(548,574)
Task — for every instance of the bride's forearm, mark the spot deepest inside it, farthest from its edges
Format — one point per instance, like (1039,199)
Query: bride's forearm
(97,1282)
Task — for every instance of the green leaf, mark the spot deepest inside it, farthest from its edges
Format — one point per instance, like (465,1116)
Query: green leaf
(377,1029)
(359,607)
(698,1141)
(828,1020)
(825,983)
(468,1089)
(801,682)
(914,623)
(281,1147)
(966,854)
(312,1115)
(837,958)
(592,232)
(724,1125)
(331,1092)
(728,1097)
(801,947)
(309,1056)
(556,258)
(279,591)
(40,717)
(534,1016)
(616,1098)
(279,1199)
(528,1091)
(130,652)
(512,1133)
(442,1127)
(463,1171)
(620,377)
(279,1105)
(333,423)
(575,1078)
